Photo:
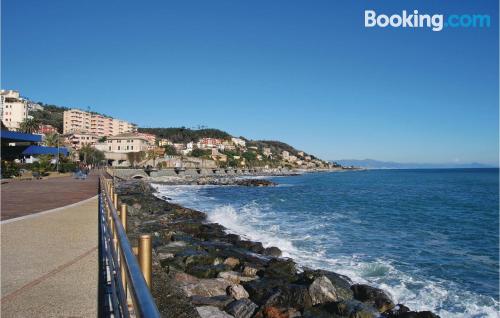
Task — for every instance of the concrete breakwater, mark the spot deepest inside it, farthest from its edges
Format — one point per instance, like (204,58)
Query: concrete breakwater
(202,271)
(128,174)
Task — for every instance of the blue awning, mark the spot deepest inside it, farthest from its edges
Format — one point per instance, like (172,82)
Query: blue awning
(41,150)
(19,136)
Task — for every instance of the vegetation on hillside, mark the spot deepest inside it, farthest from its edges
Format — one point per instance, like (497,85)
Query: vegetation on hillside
(50,115)
(185,135)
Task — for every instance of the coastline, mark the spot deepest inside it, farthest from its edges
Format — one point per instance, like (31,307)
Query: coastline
(202,271)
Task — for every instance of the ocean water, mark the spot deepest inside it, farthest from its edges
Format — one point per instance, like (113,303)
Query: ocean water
(428,237)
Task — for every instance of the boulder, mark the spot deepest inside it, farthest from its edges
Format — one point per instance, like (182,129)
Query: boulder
(212,312)
(235,277)
(260,290)
(232,262)
(291,296)
(249,271)
(205,287)
(237,291)
(284,269)
(206,271)
(231,276)
(272,251)
(255,247)
(242,308)
(341,283)
(322,291)
(276,312)
(216,301)
(345,308)
(373,296)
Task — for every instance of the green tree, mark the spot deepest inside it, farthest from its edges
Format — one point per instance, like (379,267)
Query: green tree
(52,140)
(90,155)
(170,150)
(29,125)
(200,153)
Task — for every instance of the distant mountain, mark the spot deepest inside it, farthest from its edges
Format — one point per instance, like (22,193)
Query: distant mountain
(376,164)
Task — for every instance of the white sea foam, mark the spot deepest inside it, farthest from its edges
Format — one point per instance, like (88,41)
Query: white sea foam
(257,222)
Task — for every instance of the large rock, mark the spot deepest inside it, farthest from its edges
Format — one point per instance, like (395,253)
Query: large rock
(344,308)
(231,276)
(374,296)
(249,271)
(243,308)
(276,312)
(212,312)
(232,262)
(255,247)
(284,269)
(235,277)
(272,251)
(322,291)
(341,283)
(291,296)
(206,271)
(216,301)
(237,291)
(201,287)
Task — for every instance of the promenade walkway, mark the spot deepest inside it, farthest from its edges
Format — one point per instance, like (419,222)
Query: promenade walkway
(31,196)
(49,259)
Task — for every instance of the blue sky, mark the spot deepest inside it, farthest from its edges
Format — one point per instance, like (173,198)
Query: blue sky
(305,72)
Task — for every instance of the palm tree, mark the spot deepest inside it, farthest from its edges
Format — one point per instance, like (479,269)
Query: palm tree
(152,155)
(91,155)
(29,125)
(52,140)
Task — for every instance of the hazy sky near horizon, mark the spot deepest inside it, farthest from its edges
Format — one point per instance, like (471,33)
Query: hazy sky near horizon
(305,72)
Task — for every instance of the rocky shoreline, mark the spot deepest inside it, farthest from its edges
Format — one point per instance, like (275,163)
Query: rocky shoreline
(199,270)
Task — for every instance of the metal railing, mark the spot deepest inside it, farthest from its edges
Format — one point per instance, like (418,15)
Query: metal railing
(124,279)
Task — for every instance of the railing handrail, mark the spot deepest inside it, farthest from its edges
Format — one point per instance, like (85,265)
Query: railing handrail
(144,303)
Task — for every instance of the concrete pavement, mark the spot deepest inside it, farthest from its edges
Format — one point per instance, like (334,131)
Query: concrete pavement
(49,263)
(32,196)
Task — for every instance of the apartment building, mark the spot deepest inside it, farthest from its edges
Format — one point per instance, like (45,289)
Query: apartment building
(77,140)
(209,143)
(75,120)
(123,143)
(13,109)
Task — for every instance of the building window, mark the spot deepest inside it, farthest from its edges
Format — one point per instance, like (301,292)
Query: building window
(109,148)
(131,147)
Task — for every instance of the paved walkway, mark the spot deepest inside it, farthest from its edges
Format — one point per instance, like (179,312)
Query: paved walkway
(49,260)
(21,198)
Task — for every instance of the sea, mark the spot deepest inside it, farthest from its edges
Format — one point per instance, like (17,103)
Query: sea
(429,237)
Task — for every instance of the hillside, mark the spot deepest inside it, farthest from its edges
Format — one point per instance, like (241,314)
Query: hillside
(50,115)
(185,135)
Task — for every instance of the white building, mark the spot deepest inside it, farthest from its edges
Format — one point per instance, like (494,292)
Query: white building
(164,142)
(239,142)
(124,143)
(13,109)
(266,151)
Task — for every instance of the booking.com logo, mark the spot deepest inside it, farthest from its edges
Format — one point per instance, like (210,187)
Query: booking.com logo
(437,22)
